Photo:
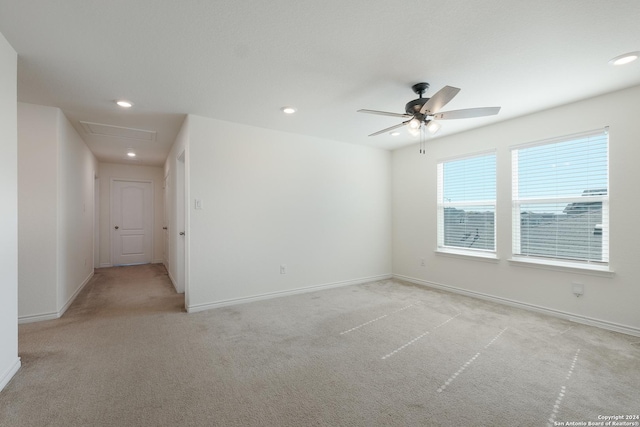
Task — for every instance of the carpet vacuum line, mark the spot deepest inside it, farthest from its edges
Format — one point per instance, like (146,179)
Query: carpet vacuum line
(468,363)
(376,319)
(563,391)
(419,337)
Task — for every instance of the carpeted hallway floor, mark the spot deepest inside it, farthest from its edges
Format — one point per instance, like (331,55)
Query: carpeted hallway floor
(384,353)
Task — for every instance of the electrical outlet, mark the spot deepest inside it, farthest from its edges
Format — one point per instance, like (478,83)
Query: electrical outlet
(577,289)
(198,204)
(283,269)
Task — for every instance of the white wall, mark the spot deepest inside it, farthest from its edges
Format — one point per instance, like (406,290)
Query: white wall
(610,302)
(56,212)
(109,171)
(269,198)
(76,171)
(38,209)
(9,360)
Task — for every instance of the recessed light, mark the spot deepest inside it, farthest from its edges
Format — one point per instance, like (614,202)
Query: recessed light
(395,133)
(625,58)
(131,154)
(288,110)
(124,104)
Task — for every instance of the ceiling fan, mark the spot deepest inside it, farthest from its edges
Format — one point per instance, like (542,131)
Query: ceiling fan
(422,113)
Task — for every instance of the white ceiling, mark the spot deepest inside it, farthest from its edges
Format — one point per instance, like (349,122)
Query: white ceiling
(242,61)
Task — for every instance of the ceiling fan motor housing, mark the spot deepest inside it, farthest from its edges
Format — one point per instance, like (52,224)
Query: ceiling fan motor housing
(413,107)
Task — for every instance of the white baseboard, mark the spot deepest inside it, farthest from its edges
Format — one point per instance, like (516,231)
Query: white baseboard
(585,320)
(55,314)
(9,373)
(108,264)
(173,281)
(243,300)
(75,295)
(31,318)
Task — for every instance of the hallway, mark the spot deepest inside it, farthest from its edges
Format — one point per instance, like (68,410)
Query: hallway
(127,290)
(102,357)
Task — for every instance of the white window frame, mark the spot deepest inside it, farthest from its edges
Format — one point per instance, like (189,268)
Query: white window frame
(517,202)
(442,204)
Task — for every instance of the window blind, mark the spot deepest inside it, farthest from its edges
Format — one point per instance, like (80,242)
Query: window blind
(560,193)
(467,203)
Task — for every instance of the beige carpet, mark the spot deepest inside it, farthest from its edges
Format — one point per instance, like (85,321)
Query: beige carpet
(379,354)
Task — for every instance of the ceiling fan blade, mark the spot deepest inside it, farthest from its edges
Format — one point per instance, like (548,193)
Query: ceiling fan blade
(467,113)
(384,113)
(389,128)
(439,100)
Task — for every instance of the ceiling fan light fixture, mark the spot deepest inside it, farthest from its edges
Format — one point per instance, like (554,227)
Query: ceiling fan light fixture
(624,59)
(433,127)
(414,123)
(414,132)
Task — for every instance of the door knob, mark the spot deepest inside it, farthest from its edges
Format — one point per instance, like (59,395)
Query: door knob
(116,227)
(182,233)
(164,228)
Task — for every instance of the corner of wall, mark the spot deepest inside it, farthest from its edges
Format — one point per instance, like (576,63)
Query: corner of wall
(9,360)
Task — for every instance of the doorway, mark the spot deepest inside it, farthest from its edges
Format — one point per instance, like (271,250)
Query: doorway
(131,222)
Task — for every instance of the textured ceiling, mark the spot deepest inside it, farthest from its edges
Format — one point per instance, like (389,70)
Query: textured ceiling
(242,60)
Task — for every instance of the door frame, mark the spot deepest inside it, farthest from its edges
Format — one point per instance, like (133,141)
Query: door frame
(181,223)
(111,225)
(166,237)
(96,220)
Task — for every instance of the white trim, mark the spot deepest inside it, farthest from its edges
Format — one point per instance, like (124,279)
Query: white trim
(9,373)
(55,315)
(585,320)
(560,265)
(157,261)
(106,265)
(75,295)
(173,281)
(476,254)
(38,317)
(234,301)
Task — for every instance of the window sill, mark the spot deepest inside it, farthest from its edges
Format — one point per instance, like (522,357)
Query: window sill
(476,256)
(575,267)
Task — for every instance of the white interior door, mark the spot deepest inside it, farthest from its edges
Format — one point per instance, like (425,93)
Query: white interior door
(131,222)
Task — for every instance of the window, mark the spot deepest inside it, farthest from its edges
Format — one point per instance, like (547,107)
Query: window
(467,205)
(561,198)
